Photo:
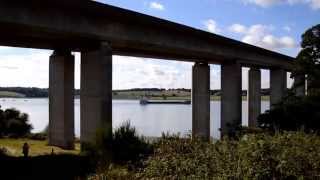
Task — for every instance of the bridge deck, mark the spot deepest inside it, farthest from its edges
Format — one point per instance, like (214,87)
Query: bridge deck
(82,24)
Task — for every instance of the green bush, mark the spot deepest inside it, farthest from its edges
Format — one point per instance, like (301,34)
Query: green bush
(125,147)
(294,113)
(13,123)
(282,156)
(37,136)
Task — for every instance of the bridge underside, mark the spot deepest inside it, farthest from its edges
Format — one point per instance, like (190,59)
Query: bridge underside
(99,31)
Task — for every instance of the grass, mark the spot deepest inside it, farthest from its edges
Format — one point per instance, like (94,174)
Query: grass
(14,146)
(11,94)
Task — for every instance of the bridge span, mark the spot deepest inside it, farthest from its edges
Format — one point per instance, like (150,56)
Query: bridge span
(99,31)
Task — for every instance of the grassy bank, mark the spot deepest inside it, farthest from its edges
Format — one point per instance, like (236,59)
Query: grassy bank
(286,155)
(9,94)
(14,147)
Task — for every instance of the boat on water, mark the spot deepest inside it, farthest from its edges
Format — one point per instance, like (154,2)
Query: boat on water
(146,101)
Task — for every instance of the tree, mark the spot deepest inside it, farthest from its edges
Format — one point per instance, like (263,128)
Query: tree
(14,123)
(295,113)
(2,124)
(308,60)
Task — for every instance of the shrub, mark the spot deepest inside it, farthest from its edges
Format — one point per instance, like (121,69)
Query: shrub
(124,147)
(13,123)
(127,145)
(294,113)
(282,156)
(37,136)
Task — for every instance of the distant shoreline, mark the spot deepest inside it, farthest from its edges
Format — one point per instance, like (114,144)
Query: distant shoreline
(129,94)
(212,98)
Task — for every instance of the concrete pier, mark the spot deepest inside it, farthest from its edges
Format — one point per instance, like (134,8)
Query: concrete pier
(254,96)
(230,97)
(61,99)
(300,85)
(96,92)
(201,100)
(278,85)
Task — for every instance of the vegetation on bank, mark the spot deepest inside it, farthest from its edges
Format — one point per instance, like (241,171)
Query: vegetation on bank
(286,155)
(152,93)
(13,123)
(23,91)
(263,155)
(296,112)
(9,94)
(13,147)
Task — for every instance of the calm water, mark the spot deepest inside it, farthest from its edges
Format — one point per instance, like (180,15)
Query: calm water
(150,120)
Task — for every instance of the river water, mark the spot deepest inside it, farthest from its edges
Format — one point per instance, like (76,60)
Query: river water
(149,120)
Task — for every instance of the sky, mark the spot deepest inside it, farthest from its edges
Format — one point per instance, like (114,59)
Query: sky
(276,25)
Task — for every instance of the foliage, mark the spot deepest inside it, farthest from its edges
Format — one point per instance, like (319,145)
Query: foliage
(294,113)
(282,156)
(13,123)
(28,92)
(308,60)
(41,136)
(124,147)
(37,136)
(127,145)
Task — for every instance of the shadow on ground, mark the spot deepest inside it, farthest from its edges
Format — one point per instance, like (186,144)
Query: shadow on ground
(45,167)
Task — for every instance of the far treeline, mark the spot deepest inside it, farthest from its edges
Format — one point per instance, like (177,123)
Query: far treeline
(33,92)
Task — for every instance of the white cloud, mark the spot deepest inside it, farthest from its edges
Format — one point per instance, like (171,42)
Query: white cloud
(156,5)
(287,28)
(314,4)
(260,35)
(29,69)
(238,28)
(133,72)
(262,3)
(211,26)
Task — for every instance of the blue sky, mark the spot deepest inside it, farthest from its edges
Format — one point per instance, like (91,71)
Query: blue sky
(273,24)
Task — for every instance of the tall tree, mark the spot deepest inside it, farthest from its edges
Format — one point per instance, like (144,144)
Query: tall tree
(308,60)
(295,112)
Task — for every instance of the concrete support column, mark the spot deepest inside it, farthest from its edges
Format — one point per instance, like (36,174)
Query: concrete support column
(201,100)
(96,92)
(299,85)
(254,96)
(231,97)
(278,85)
(61,99)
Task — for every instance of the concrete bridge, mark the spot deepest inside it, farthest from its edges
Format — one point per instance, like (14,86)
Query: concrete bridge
(99,31)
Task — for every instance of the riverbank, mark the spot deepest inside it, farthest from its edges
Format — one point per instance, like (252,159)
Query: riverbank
(37,147)
(129,94)
(13,95)
(286,155)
